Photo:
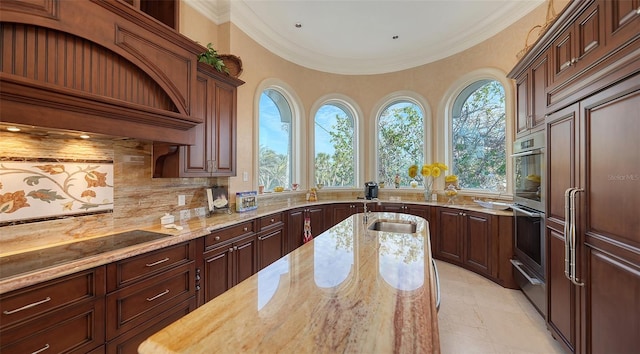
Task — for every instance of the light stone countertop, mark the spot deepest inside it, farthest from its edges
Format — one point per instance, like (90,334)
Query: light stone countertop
(349,290)
(194,228)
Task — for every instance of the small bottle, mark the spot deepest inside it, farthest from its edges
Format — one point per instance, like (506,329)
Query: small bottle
(396,181)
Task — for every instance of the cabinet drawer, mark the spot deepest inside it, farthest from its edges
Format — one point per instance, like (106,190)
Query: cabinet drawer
(270,221)
(131,306)
(77,329)
(130,341)
(227,234)
(145,265)
(33,301)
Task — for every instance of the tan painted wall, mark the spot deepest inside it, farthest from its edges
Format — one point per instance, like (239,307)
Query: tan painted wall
(431,81)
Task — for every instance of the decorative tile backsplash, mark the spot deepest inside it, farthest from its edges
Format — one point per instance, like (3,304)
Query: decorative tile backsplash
(33,189)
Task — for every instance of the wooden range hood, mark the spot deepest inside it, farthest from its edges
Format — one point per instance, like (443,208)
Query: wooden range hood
(98,66)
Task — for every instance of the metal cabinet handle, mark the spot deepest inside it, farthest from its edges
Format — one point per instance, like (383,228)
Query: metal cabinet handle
(572,233)
(9,312)
(46,346)
(567,230)
(156,263)
(231,249)
(272,220)
(565,65)
(217,238)
(246,228)
(518,265)
(159,295)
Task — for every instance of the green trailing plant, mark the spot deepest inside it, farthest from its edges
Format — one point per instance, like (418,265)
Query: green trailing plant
(212,58)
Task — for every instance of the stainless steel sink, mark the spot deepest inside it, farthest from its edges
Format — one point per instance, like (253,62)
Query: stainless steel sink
(399,226)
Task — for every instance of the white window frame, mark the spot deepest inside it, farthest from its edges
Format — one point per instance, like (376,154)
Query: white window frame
(298,149)
(445,129)
(352,108)
(381,106)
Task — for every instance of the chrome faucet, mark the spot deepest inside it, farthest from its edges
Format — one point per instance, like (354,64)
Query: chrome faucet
(366,211)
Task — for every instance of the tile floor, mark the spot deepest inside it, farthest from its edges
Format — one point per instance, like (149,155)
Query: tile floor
(479,316)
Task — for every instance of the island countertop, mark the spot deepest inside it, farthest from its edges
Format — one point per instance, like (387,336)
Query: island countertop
(350,289)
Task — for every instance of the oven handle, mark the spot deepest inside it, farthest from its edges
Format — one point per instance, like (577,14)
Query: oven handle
(528,152)
(518,265)
(526,212)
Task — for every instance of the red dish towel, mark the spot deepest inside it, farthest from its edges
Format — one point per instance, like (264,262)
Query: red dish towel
(306,237)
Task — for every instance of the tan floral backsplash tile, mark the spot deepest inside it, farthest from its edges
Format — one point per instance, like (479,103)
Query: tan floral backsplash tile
(32,189)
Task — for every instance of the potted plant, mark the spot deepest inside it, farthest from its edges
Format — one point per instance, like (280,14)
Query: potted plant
(211,57)
(227,63)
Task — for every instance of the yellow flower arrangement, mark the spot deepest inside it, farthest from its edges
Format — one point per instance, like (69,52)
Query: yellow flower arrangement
(429,172)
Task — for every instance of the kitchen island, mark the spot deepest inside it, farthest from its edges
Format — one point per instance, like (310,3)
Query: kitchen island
(351,289)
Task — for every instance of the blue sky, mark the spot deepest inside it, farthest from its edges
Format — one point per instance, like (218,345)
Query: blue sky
(271,127)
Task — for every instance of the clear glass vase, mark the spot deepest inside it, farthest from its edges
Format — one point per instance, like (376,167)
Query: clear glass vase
(427,192)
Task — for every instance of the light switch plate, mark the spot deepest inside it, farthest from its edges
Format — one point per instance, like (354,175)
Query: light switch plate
(182,200)
(245,176)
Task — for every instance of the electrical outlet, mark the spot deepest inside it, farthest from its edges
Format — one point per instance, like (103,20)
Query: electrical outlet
(182,200)
(185,214)
(199,211)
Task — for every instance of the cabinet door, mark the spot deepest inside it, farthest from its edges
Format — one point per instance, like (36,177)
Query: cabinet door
(217,271)
(417,210)
(194,158)
(318,220)
(450,238)
(622,21)
(477,243)
(342,211)
(245,256)
(539,84)
(391,207)
(561,162)
(270,247)
(522,118)
(295,229)
(608,220)
(564,56)
(224,133)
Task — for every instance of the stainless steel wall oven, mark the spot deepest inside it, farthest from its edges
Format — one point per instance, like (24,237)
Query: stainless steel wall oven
(529,218)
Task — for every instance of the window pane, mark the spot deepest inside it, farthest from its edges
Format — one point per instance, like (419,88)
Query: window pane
(274,160)
(479,128)
(334,150)
(400,141)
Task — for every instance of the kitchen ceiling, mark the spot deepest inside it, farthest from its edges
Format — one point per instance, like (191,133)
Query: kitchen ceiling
(366,36)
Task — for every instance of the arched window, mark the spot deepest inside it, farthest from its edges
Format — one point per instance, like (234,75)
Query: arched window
(401,141)
(275,140)
(335,145)
(478,136)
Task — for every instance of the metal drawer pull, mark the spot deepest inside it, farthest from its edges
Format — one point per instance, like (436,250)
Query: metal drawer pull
(159,295)
(156,263)
(217,238)
(530,279)
(46,346)
(27,306)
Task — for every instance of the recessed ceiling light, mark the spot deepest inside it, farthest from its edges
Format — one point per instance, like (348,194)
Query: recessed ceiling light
(395,37)
(13,129)
(84,136)
(298,25)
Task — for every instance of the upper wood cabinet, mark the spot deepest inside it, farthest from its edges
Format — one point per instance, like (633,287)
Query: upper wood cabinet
(576,48)
(622,20)
(213,153)
(531,88)
(165,11)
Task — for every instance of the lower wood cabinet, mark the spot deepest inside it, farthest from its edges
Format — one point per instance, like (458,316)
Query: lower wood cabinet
(61,315)
(295,224)
(477,241)
(227,264)
(340,211)
(271,239)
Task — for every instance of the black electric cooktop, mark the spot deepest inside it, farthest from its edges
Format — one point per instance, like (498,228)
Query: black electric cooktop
(47,257)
